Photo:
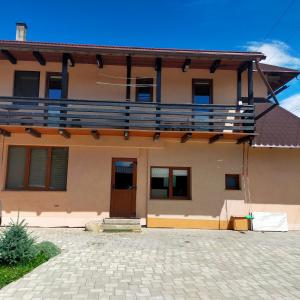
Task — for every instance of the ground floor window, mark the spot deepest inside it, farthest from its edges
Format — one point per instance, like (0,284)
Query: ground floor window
(37,168)
(232,182)
(170,183)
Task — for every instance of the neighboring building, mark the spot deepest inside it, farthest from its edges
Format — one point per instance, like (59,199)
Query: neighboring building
(165,135)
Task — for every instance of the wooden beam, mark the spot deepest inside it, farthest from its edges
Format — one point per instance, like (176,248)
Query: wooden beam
(186,65)
(33,132)
(9,57)
(215,138)
(215,65)
(95,134)
(281,89)
(250,83)
(185,137)
(156,136)
(64,133)
(39,57)
(244,139)
(243,67)
(5,132)
(99,60)
(265,111)
(71,60)
(266,82)
(126,135)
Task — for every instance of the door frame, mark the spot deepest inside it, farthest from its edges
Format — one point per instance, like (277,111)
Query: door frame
(134,160)
(210,81)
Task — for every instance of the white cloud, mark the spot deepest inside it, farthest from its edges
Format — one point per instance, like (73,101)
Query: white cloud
(292,104)
(277,53)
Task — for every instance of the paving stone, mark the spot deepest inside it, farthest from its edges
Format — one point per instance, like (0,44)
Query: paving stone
(164,264)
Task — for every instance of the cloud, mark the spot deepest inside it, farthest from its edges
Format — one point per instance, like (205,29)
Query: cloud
(292,104)
(277,52)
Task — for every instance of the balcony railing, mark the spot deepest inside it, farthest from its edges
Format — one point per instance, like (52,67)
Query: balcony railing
(125,115)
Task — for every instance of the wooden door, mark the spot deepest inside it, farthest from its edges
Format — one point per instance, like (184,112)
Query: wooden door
(123,188)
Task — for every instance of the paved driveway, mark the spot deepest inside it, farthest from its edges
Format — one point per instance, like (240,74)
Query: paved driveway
(165,264)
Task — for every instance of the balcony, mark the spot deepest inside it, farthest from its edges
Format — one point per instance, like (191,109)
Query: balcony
(68,116)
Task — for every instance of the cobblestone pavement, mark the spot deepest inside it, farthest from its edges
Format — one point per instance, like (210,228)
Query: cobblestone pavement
(164,264)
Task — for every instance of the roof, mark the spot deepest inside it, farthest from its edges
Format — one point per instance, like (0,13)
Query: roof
(116,55)
(277,76)
(277,128)
(275,69)
(129,50)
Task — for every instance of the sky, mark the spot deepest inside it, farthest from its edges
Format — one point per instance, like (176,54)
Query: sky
(270,26)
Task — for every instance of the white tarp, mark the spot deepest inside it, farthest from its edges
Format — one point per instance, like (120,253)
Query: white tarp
(269,221)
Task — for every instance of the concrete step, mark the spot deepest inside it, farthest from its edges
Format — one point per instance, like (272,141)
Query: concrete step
(122,221)
(121,227)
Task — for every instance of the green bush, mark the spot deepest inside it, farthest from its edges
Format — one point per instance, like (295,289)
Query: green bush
(47,249)
(16,245)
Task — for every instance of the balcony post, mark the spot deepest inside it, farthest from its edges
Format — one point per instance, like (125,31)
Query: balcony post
(128,81)
(158,80)
(128,86)
(250,83)
(239,86)
(64,76)
(158,86)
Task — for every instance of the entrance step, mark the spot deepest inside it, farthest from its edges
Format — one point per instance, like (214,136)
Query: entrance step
(121,224)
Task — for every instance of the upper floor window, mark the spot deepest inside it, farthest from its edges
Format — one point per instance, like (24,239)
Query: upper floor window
(202,91)
(144,89)
(26,84)
(54,85)
(37,168)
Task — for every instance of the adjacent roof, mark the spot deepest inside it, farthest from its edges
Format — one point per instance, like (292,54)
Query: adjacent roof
(277,128)
(277,76)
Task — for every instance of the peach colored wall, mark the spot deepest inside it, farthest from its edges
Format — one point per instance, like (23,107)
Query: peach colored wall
(274,177)
(176,85)
(272,184)
(89,180)
(209,163)
(273,181)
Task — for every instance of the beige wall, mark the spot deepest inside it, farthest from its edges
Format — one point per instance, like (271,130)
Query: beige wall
(274,177)
(273,182)
(176,85)
(88,186)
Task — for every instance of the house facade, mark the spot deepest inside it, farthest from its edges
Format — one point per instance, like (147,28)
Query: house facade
(178,138)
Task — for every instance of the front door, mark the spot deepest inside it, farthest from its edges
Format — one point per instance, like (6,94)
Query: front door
(123,188)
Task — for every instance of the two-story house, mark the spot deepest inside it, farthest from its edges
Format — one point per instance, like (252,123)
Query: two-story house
(178,138)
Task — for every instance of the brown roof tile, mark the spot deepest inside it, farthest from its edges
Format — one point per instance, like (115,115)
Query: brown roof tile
(277,128)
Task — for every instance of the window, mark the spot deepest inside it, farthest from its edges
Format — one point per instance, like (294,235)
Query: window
(202,91)
(170,183)
(144,89)
(232,182)
(27,84)
(37,168)
(54,86)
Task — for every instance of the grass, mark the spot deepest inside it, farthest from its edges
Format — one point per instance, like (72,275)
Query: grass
(9,274)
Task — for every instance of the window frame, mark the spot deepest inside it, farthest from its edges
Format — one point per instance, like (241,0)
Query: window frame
(26,186)
(238,178)
(204,80)
(48,75)
(170,191)
(25,71)
(137,88)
